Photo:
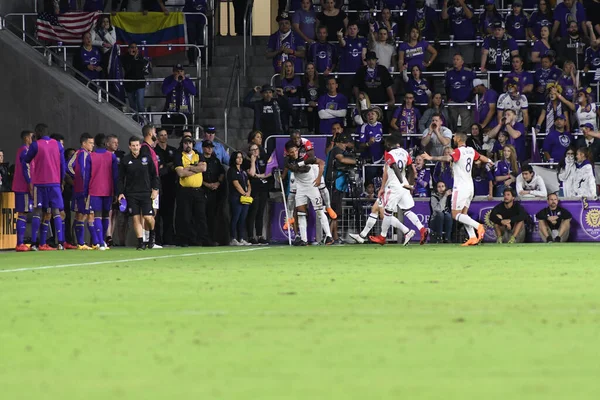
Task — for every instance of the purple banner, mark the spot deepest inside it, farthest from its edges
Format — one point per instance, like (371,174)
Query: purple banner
(278,218)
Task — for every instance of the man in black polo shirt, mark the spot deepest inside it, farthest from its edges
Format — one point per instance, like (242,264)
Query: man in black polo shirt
(191,200)
(509,219)
(138,185)
(554,222)
(213,178)
(168,184)
(375,80)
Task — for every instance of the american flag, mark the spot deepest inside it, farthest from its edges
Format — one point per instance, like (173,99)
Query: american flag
(67,28)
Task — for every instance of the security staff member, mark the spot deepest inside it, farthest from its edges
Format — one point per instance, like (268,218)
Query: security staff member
(138,185)
(190,216)
(168,184)
(213,178)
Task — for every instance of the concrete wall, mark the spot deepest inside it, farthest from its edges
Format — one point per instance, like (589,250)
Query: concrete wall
(10,6)
(33,92)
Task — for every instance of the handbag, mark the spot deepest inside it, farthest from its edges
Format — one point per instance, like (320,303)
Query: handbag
(246,199)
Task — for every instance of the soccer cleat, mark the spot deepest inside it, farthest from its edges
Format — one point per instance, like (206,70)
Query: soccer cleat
(332,214)
(102,248)
(471,242)
(95,247)
(480,232)
(377,239)
(512,240)
(109,241)
(329,241)
(154,246)
(288,223)
(33,247)
(262,240)
(408,236)
(424,232)
(69,246)
(357,238)
(141,246)
(84,247)
(499,240)
(21,248)
(339,241)
(297,240)
(60,247)
(45,247)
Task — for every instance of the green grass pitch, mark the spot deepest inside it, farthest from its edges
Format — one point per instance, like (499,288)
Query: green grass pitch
(347,322)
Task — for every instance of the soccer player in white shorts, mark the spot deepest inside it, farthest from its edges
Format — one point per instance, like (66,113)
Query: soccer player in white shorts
(462,160)
(308,178)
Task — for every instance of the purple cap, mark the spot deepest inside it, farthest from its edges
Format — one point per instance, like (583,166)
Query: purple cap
(123,205)
(587,125)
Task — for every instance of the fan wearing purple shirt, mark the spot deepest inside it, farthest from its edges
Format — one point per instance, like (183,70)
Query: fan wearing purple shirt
(516,22)
(557,141)
(406,119)
(322,53)
(386,22)
(370,136)
(304,21)
(489,16)
(541,47)
(515,131)
(496,54)
(566,12)
(332,107)
(88,59)
(412,52)
(424,18)
(592,60)
(461,16)
(543,76)
(285,45)
(418,85)
(485,111)
(459,88)
(522,77)
(538,19)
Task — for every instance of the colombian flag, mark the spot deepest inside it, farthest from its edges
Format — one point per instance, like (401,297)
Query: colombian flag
(154,28)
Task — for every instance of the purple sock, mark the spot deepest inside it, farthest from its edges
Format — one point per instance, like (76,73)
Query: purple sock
(92,230)
(98,229)
(58,226)
(105,223)
(35,228)
(21,228)
(44,233)
(80,232)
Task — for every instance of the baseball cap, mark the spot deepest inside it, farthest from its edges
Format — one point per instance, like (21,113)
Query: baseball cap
(477,82)
(371,55)
(207,143)
(267,88)
(490,2)
(587,125)
(283,17)
(517,3)
(187,139)
(498,24)
(210,129)
(561,116)
(178,67)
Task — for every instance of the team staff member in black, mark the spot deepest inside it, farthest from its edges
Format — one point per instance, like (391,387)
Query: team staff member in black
(554,222)
(138,185)
(191,200)
(168,184)
(256,166)
(212,180)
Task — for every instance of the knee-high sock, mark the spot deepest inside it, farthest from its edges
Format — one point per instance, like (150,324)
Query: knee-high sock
(399,225)
(21,228)
(385,224)
(36,221)
(80,232)
(58,226)
(291,204)
(470,231)
(371,221)
(105,225)
(92,230)
(325,197)
(324,222)
(465,219)
(146,235)
(44,232)
(302,225)
(412,217)
(98,230)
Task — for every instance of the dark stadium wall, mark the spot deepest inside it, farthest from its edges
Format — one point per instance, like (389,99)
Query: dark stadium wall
(33,92)
(10,6)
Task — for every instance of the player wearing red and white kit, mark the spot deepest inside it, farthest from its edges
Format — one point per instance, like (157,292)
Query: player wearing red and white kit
(395,193)
(462,160)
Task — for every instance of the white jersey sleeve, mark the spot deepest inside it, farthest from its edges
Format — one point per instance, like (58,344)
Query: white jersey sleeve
(463,158)
(402,159)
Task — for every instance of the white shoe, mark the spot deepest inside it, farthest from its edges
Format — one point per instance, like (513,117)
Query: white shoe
(234,242)
(357,238)
(156,246)
(102,248)
(244,243)
(408,236)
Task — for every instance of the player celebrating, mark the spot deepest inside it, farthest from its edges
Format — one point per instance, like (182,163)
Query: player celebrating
(308,178)
(463,158)
(395,192)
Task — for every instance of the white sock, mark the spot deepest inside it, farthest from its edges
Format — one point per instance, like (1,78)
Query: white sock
(466,220)
(146,235)
(371,221)
(324,222)
(399,225)
(470,231)
(385,225)
(291,204)
(325,197)
(412,217)
(302,226)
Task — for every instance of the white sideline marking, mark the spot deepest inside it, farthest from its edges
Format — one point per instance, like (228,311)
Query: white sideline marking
(130,260)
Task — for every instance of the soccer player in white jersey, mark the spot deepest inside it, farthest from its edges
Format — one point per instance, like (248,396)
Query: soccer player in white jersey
(395,193)
(308,178)
(462,160)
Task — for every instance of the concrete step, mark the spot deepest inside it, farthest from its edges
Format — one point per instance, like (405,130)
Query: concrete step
(264,70)
(233,50)
(212,101)
(234,112)
(246,82)
(254,60)
(233,122)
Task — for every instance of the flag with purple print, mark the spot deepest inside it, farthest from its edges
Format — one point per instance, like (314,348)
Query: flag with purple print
(272,164)
(67,28)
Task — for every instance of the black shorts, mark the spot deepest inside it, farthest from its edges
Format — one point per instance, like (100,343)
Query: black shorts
(337,199)
(140,205)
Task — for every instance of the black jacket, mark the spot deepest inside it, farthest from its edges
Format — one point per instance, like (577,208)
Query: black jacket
(268,116)
(134,68)
(137,176)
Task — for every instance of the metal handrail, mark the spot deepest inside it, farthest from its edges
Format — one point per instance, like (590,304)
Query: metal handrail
(235,79)
(247,14)
(52,57)
(206,61)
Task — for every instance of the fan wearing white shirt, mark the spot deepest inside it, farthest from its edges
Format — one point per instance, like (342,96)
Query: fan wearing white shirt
(437,136)
(530,185)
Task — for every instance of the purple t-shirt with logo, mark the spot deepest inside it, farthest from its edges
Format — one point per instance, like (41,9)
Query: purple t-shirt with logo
(368,131)
(324,55)
(327,102)
(350,56)
(556,144)
(562,14)
(459,84)
(414,55)
(537,20)
(291,41)
(419,89)
(523,79)
(540,47)
(92,57)
(461,27)
(516,25)
(307,20)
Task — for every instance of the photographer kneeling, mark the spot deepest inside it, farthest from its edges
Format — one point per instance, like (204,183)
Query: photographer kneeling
(338,167)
